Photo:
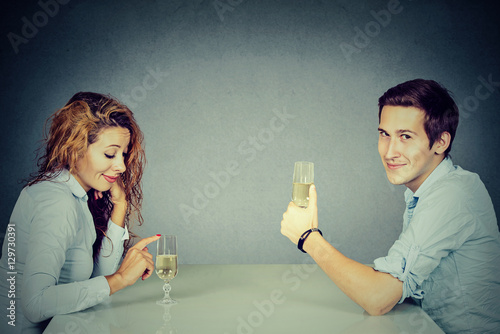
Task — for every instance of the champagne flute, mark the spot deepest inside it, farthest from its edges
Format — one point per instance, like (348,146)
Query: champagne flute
(303,177)
(166,265)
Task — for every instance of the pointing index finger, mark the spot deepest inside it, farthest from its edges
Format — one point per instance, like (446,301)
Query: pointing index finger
(146,241)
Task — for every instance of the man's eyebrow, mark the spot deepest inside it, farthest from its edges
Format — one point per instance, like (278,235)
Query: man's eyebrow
(406,131)
(399,131)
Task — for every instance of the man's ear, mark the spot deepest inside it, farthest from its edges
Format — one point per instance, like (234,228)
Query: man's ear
(442,143)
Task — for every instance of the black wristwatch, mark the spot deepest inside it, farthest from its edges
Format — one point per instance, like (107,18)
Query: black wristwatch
(304,236)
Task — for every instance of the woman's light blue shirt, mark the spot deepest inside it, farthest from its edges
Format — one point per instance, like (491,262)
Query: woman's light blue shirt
(54,268)
(448,254)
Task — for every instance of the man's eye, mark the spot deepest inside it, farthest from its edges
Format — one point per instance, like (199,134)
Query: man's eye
(405,136)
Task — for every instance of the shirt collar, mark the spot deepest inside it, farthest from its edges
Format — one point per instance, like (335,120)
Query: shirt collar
(66,177)
(442,169)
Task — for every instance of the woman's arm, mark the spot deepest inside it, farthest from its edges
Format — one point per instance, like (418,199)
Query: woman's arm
(54,229)
(111,252)
(118,198)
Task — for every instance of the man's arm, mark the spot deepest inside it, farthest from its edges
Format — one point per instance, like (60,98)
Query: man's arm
(375,291)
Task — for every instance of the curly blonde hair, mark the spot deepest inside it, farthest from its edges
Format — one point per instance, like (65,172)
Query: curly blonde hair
(76,126)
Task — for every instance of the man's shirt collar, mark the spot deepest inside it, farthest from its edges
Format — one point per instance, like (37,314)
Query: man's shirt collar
(442,169)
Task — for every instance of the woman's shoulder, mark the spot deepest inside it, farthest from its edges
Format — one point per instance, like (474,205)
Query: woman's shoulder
(54,186)
(51,201)
(54,191)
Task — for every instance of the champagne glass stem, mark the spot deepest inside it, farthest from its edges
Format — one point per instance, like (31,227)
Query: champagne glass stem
(166,289)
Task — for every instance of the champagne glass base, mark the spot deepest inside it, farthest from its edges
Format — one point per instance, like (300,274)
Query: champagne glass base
(166,302)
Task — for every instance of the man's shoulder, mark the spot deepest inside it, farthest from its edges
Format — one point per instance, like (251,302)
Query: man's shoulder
(460,180)
(457,186)
(458,177)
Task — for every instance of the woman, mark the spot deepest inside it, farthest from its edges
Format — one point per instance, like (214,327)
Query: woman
(69,227)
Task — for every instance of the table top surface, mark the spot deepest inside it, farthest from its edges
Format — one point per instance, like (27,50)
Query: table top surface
(246,299)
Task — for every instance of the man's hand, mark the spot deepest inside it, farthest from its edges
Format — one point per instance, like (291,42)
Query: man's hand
(297,220)
(375,291)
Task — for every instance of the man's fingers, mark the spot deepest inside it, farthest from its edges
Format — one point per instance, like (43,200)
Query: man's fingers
(313,196)
(313,205)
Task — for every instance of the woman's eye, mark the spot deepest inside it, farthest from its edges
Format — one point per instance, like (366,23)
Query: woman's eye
(405,136)
(109,156)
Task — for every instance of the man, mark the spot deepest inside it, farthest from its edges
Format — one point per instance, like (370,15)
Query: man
(447,257)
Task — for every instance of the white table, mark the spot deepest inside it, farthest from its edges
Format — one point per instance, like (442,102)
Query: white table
(241,299)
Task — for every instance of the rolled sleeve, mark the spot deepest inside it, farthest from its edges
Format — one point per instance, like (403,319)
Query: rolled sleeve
(111,250)
(434,231)
(402,267)
(116,232)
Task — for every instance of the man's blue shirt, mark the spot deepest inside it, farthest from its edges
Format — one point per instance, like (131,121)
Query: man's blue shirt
(448,254)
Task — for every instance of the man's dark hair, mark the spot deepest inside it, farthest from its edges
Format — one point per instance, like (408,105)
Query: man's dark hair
(441,112)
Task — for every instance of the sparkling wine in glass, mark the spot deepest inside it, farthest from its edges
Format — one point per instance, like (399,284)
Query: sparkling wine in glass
(303,177)
(166,265)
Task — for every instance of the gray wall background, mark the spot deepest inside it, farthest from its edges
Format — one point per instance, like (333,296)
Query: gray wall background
(229,94)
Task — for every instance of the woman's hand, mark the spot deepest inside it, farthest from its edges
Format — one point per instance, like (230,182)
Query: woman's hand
(118,197)
(116,193)
(297,220)
(138,262)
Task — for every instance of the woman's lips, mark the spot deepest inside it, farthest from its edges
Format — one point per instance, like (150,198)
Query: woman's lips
(110,179)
